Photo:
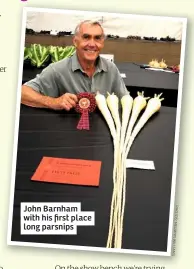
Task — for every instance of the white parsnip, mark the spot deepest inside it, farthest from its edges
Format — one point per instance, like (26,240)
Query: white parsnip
(126,104)
(154,105)
(124,133)
(102,105)
(113,105)
(139,103)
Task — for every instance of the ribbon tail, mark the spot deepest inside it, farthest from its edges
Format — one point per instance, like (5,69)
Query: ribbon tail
(80,123)
(84,121)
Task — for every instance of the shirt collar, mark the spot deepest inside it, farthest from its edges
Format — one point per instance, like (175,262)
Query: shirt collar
(100,66)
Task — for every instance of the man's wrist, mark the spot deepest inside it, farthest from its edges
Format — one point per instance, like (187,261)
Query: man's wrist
(51,103)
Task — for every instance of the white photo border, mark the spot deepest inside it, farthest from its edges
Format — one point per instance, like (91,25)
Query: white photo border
(176,141)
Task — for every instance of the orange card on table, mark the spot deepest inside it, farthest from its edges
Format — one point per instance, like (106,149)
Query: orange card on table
(68,171)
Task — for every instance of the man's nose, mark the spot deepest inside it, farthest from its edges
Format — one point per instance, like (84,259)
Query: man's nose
(92,42)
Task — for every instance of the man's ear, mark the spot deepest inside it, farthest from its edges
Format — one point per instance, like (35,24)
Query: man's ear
(75,41)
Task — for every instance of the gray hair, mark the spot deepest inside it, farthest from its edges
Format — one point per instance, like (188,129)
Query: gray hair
(91,22)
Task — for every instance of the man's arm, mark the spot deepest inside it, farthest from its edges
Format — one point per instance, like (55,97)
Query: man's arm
(33,98)
(43,92)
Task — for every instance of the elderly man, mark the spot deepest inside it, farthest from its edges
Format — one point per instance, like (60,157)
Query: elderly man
(56,87)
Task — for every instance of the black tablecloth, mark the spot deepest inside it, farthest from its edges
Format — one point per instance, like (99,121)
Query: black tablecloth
(48,133)
(151,82)
(141,77)
(137,79)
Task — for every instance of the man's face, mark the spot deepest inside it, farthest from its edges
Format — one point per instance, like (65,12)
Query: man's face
(89,42)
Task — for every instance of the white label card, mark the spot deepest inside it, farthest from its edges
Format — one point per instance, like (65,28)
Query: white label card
(140,164)
(123,75)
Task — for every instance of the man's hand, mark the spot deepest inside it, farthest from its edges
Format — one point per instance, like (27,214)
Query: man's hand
(32,98)
(65,101)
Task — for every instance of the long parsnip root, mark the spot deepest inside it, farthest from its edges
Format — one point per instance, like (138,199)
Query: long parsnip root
(139,103)
(152,107)
(103,107)
(123,138)
(126,104)
(113,105)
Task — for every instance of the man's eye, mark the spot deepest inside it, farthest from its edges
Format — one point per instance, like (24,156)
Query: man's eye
(85,36)
(98,37)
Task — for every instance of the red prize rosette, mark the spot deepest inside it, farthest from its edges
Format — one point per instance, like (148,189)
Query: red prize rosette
(85,105)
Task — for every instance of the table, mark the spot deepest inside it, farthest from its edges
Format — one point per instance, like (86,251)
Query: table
(44,132)
(151,82)
(137,79)
(141,77)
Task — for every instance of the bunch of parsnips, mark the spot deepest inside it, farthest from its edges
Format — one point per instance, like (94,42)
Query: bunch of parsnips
(123,132)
